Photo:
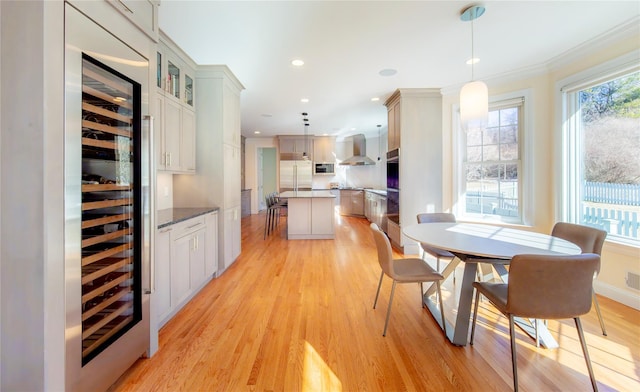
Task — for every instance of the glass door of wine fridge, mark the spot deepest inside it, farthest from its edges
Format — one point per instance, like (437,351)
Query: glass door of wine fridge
(110,206)
(107,205)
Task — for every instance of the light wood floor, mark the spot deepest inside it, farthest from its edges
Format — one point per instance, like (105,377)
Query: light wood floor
(297,316)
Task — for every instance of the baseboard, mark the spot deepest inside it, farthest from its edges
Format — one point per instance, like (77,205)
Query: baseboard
(619,295)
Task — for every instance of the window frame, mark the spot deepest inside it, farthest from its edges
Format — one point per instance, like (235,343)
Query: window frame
(569,144)
(525,143)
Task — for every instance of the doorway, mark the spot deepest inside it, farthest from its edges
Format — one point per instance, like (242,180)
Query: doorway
(267,174)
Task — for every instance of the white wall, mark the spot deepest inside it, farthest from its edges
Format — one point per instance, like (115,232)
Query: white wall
(616,259)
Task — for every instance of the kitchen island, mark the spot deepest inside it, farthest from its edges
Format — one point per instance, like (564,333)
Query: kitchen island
(310,214)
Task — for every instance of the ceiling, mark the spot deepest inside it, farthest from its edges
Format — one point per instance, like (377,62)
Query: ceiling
(345,45)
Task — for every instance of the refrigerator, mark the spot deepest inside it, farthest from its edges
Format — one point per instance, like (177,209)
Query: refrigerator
(108,270)
(295,175)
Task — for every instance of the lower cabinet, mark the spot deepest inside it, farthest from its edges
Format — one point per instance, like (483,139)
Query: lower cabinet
(375,209)
(162,295)
(310,218)
(186,258)
(211,244)
(352,202)
(231,237)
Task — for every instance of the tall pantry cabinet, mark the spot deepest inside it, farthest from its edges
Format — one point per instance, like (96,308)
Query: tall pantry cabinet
(415,128)
(218,154)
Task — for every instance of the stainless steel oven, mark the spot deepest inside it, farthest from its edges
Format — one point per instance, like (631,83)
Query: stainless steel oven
(393,185)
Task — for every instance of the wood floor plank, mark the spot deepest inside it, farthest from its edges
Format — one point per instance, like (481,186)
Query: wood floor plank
(298,316)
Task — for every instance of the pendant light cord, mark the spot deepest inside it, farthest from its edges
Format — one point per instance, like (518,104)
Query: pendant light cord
(473,58)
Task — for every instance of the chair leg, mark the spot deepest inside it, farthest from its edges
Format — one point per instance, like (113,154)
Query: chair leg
(444,322)
(266,224)
(514,365)
(421,295)
(586,353)
(378,292)
(475,317)
(386,323)
(272,219)
(595,302)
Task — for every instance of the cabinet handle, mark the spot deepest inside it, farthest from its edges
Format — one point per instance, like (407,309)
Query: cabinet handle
(192,226)
(149,131)
(169,159)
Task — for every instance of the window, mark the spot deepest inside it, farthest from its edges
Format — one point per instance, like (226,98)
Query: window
(601,144)
(491,186)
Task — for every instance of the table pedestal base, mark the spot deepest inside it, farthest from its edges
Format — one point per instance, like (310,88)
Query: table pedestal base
(458,333)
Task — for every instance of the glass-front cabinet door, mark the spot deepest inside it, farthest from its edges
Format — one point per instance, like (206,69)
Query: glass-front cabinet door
(159,68)
(111,257)
(188,90)
(173,79)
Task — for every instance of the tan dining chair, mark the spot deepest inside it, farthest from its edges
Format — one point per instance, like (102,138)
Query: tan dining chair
(543,287)
(590,240)
(411,270)
(438,253)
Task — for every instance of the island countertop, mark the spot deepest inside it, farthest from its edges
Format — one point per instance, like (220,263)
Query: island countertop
(307,194)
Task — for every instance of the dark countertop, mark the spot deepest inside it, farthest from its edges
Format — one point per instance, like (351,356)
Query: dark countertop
(171,216)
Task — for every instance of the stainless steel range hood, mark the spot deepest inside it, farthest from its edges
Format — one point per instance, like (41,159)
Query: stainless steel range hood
(359,157)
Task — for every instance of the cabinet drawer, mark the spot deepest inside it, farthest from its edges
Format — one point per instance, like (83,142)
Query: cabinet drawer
(187,227)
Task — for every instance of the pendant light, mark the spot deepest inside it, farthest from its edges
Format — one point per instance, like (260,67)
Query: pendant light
(305,121)
(474,96)
(379,142)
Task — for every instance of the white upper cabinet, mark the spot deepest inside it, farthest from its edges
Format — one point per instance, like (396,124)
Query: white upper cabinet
(324,149)
(175,82)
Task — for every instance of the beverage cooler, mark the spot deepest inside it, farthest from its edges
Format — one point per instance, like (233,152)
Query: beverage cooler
(107,211)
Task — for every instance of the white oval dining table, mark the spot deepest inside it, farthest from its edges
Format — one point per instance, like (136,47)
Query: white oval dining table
(482,243)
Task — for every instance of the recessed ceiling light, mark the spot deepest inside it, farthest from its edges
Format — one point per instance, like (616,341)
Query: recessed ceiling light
(256,132)
(353,129)
(474,60)
(297,63)
(375,99)
(304,100)
(388,72)
(267,115)
(325,134)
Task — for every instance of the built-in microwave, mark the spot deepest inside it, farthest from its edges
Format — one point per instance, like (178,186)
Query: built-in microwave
(324,169)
